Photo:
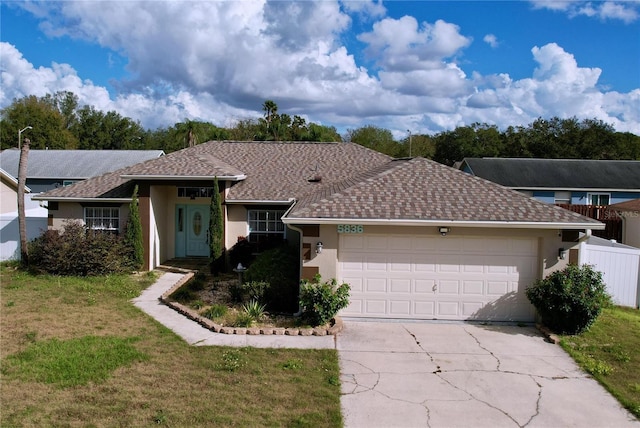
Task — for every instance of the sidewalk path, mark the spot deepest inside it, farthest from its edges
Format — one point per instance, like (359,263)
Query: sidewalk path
(194,334)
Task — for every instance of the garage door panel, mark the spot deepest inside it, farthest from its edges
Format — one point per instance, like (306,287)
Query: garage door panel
(376,285)
(448,309)
(400,285)
(423,286)
(400,307)
(473,287)
(448,277)
(424,309)
(376,307)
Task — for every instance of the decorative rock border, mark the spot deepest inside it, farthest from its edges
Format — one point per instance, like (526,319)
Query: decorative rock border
(333,329)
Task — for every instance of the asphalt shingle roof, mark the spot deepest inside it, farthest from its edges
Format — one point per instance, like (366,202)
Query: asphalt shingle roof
(275,171)
(73,164)
(558,173)
(632,205)
(335,181)
(420,189)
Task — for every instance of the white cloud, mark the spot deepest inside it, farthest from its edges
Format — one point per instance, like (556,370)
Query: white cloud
(218,61)
(626,11)
(491,40)
(366,8)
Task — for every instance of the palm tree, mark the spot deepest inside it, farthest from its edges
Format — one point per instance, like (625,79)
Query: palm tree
(22,221)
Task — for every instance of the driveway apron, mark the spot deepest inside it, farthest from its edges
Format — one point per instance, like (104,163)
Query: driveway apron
(465,375)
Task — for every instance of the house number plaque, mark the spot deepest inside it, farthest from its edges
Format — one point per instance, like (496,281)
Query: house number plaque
(350,228)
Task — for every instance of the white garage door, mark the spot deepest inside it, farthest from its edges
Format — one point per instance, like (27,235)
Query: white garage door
(443,277)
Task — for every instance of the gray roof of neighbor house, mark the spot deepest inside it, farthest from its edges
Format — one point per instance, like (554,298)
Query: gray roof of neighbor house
(73,164)
(557,173)
(262,171)
(421,190)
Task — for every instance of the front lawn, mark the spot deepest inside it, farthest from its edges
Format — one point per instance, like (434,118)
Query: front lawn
(609,352)
(76,352)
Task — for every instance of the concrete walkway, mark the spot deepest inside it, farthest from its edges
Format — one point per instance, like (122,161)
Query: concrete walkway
(194,334)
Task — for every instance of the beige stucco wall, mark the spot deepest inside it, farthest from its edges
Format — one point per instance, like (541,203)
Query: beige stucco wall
(549,241)
(236,224)
(631,228)
(8,197)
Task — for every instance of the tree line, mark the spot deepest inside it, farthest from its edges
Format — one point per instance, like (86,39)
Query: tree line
(59,122)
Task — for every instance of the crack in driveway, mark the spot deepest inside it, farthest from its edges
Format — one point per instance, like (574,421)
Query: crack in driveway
(427,374)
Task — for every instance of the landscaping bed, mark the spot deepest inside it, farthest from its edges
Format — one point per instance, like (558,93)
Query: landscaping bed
(220,305)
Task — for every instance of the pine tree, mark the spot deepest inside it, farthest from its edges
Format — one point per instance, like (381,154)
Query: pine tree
(133,233)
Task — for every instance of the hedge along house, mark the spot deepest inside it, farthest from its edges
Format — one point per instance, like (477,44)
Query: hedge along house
(413,238)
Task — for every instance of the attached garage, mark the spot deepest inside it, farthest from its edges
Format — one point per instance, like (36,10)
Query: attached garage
(438,277)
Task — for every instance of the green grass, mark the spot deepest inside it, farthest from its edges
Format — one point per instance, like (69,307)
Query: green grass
(76,352)
(609,352)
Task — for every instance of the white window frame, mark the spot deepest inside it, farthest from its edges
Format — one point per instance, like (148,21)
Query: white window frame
(562,197)
(102,218)
(599,195)
(266,221)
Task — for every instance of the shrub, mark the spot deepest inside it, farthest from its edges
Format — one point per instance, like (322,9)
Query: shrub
(321,301)
(79,252)
(215,311)
(133,240)
(243,319)
(241,252)
(569,301)
(280,267)
(254,309)
(257,290)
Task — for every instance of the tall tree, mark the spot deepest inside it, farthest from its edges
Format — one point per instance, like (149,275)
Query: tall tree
(49,125)
(216,229)
(22,220)
(133,233)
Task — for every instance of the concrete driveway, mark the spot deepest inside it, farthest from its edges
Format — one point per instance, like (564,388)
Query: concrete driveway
(465,375)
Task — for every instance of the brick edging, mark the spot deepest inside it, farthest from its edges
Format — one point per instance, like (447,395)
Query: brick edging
(333,329)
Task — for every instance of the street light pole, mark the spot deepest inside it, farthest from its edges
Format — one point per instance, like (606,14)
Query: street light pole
(20,134)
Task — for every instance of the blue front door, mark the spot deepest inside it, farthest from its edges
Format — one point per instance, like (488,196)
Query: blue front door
(197,226)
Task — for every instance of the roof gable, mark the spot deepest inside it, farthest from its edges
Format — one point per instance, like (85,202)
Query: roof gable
(423,190)
(557,173)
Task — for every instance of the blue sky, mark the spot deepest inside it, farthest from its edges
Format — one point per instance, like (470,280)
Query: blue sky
(426,66)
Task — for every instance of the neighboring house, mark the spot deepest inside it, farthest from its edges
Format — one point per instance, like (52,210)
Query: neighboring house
(47,170)
(562,181)
(35,216)
(630,213)
(415,239)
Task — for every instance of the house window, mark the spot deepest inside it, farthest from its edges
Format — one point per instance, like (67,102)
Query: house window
(599,199)
(195,192)
(102,218)
(562,198)
(66,183)
(265,227)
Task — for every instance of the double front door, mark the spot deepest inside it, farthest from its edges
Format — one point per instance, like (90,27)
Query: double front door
(192,224)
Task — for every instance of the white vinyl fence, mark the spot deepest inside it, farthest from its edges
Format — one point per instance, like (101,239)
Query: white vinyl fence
(619,264)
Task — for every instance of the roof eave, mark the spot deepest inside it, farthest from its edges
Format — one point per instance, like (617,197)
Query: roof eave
(79,199)
(185,177)
(458,223)
(258,202)
(574,189)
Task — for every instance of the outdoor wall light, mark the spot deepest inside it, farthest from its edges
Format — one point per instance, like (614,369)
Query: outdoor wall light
(318,247)
(444,230)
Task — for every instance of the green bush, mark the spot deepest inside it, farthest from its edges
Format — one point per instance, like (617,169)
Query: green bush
(254,309)
(78,252)
(321,301)
(215,311)
(257,290)
(280,267)
(569,301)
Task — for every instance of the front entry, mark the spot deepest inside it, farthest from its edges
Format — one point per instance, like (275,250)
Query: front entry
(191,231)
